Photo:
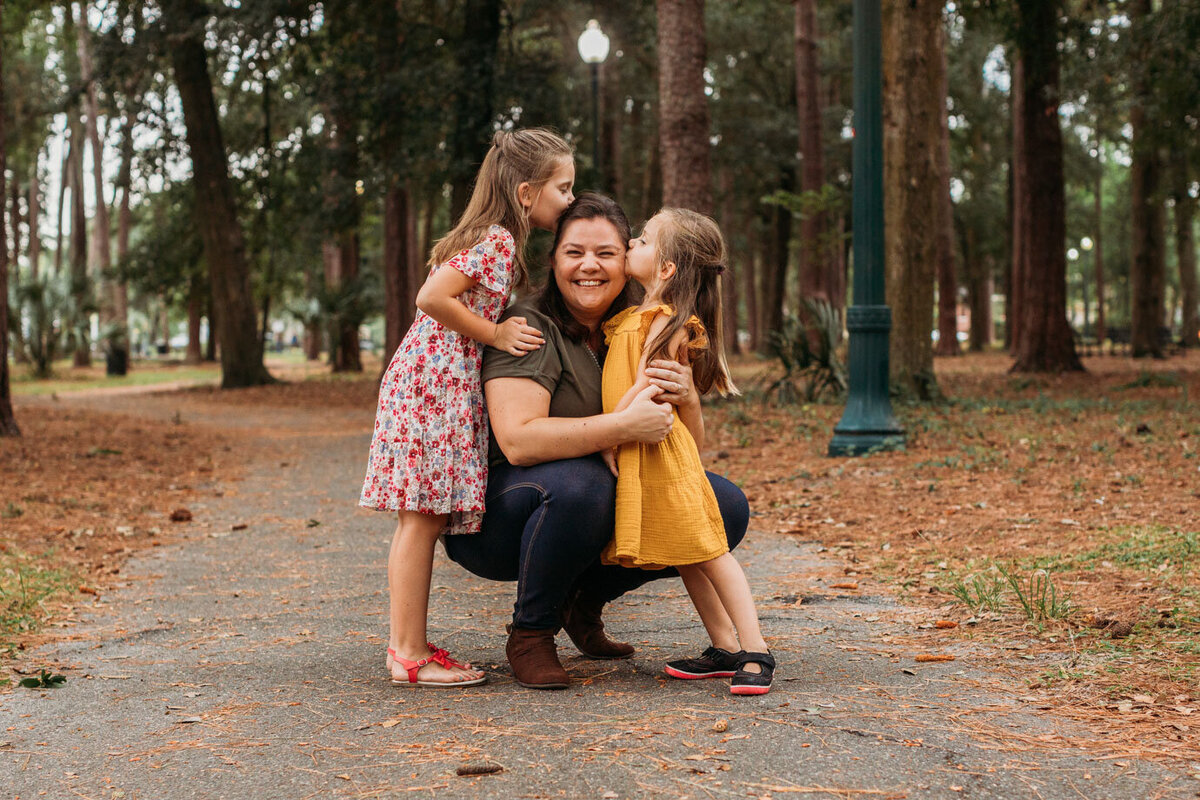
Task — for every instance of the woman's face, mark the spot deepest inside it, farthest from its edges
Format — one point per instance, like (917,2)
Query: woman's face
(589,267)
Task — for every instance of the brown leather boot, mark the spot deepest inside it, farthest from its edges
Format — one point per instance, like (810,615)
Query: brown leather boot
(534,659)
(582,622)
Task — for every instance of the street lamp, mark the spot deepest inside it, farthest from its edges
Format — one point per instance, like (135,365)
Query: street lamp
(867,424)
(593,49)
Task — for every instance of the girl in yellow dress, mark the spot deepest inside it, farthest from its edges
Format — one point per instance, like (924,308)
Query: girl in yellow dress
(666,513)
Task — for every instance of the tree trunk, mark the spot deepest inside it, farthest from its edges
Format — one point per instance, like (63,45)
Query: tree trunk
(1147,275)
(1185,251)
(64,181)
(102,268)
(8,422)
(749,271)
(80,282)
(729,288)
(1045,342)
(913,106)
(817,257)
(682,105)
(35,213)
(1101,328)
(610,130)
(1016,211)
(216,212)
(194,308)
(399,226)
(473,106)
(946,268)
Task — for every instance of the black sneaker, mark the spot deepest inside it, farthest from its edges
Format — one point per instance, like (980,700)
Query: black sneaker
(714,663)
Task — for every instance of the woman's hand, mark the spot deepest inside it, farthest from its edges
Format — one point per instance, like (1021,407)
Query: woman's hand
(515,337)
(646,419)
(675,380)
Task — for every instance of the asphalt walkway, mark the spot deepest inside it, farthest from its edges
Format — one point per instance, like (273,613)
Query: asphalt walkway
(248,663)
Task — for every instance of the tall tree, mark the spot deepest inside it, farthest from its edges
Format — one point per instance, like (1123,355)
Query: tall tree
(111,309)
(475,96)
(1044,342)
(820,274)
(1147,276)
(8,423)
(947,273)
(1185,252)
(220,228)
(913,105)
(682,105)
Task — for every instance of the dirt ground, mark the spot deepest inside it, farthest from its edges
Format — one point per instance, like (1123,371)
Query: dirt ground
(1029,513)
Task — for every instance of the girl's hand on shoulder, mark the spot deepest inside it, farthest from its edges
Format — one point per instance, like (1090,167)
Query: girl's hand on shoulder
(515,337)
(675,380)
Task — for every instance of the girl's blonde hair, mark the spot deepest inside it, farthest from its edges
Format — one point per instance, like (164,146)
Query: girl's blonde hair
(529,155)
(694,243)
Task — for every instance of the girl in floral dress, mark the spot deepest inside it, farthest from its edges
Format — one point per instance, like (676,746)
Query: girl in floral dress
(428,458)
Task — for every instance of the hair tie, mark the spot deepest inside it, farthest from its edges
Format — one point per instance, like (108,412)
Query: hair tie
(719,269)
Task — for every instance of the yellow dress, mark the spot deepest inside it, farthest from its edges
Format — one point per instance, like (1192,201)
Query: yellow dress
(666,514)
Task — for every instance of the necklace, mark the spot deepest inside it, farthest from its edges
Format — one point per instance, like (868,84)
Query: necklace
(595,360)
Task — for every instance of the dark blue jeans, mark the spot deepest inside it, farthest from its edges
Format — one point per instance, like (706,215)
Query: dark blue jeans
(545,528)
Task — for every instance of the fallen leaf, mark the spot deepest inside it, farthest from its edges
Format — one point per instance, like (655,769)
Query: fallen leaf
(845,585)
(484,768)
(945,624)
(181,515)
(926,658)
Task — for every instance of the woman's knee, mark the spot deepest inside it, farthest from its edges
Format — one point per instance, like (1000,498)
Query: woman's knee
(735,508)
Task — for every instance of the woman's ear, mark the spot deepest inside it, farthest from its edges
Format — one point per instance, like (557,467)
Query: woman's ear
(525,195)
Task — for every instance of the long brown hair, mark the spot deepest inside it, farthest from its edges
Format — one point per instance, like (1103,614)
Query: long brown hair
(528,155)
(694,243)
(588,205)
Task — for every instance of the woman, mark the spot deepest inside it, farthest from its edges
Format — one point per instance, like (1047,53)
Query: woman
(550,496)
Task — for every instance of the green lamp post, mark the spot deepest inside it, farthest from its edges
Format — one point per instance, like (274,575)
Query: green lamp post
(867,424)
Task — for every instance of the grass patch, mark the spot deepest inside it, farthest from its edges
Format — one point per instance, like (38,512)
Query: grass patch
(149,374)
(26,583)
(1145,548)
(1001,589)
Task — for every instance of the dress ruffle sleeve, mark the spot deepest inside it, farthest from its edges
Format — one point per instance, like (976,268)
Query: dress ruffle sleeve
(610,327)
(490,261)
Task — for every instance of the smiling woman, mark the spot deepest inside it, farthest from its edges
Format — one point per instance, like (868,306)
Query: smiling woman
(550,496)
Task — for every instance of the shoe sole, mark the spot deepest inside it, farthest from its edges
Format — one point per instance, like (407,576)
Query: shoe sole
(440,684)
(749,690)
(544,685)
(692,676)
(586,654)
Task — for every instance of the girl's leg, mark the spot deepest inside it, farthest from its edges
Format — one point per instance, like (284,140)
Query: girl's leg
(410,569)
(731,586)
(708,605)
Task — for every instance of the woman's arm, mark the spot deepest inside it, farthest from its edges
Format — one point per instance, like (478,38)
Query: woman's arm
(519,412)
(438,297)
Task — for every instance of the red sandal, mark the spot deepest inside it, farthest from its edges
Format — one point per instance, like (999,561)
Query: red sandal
(436,655)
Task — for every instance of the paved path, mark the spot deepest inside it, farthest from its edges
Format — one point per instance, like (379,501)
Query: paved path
(249,664)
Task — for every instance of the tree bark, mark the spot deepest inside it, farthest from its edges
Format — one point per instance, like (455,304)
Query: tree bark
(1045,342)
(221,231)
(817,258)
(1098,204)
(35,213)
(102,253)
(729,287)
(682,106)
(1016,210)
(8,422)
(912,110)
(946,267)
(195,308)
(64,181)
(473,102)
(399,229)
(1185,252)
(1147,275)
(749,279)
(81,284)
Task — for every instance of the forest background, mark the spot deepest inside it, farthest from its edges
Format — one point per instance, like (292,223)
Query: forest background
(275,165)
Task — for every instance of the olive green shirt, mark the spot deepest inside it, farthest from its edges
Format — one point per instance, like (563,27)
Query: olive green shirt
(564,368)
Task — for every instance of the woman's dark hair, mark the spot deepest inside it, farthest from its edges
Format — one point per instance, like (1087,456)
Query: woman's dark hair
(588,205)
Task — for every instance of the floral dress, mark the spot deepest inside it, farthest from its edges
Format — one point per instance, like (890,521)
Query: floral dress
(429,450)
